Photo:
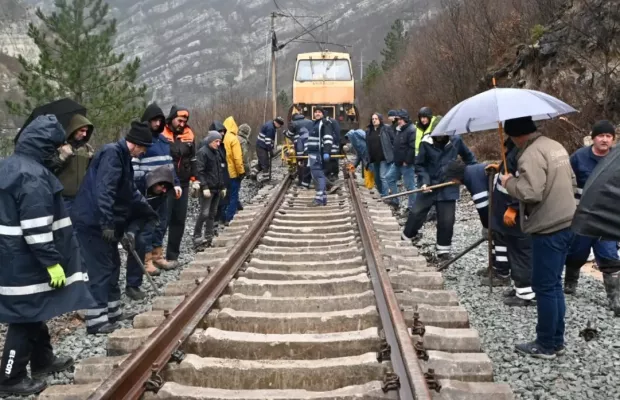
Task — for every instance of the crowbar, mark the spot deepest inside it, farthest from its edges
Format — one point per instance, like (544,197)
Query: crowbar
(461,254)
(438,186)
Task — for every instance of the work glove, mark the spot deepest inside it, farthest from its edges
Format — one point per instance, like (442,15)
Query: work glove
(326,157)
(195,189)
(108,234)
(223,193)
(484,232)
(178,192)
(510,217)
(64,152)
(57,276)
(346,148)
(128,241)
(491,169)
(206,193)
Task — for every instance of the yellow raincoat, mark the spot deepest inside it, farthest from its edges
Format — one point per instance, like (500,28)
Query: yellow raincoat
(234,155)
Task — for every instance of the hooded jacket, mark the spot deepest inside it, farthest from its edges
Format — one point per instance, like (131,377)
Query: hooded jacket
(358,141)
(158,154)
(244,141)
(597,214)
(432,161)
(109,194)
(545,187)
(234,153)
(71,172)
(36,232)
(161,174)
(211,165)
(182,149)
(404,145)
(386,137)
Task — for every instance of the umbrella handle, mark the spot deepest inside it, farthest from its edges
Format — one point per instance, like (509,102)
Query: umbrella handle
(501,145)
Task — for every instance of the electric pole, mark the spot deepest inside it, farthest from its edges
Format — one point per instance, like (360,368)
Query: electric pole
(274,48)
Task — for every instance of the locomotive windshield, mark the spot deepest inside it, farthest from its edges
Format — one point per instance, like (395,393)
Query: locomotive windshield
(323,70)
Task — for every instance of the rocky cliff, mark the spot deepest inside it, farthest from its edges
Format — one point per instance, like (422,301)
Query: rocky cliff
(191,49)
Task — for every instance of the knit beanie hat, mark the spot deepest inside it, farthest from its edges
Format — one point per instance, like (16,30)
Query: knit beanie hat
(212,136)
(602,127)
(140,134)
(519,126)
(245,130)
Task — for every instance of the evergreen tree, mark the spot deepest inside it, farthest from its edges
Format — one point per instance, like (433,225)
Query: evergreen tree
(283,100)
(372,73)
(395,43)
(77,61)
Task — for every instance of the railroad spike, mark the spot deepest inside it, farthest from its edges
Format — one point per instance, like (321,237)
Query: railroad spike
(391,381)
(154,383)
(420,350)
(385,352)
(431,381)
(418,327)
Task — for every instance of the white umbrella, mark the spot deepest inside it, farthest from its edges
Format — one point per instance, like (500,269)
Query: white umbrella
(485,111)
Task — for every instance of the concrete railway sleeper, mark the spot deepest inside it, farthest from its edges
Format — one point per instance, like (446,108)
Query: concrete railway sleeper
(295,302)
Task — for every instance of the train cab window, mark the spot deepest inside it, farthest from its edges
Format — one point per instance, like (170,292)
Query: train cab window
(323,70)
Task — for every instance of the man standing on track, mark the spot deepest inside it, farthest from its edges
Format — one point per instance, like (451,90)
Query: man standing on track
(320,142)
(106,201)
(404,157)
(183,152)
(41,273)
(265,144)
(545,188)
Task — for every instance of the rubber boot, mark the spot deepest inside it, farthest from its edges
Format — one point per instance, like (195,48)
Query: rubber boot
(160,261)
(571,277)
(612,287)
(148,265)
(25,387)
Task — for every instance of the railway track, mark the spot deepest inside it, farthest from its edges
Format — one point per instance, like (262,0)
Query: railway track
(298,302)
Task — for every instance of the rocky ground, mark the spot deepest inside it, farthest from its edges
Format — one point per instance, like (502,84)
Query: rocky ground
(589,370)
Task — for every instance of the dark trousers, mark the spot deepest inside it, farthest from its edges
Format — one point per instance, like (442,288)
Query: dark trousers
(263,159)
(513,257)
(446,214)
(206,218)
(318,176)
(157,233)
(233,199)
(103,263)
(177,213)
(134,272)
(548,257)
(25,343)
(604,251)
(304,175)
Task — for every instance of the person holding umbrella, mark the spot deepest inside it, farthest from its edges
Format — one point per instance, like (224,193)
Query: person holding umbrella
(544,187)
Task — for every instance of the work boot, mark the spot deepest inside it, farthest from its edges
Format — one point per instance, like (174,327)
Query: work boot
(498,280)
(571,277)
(148,265)
(612,287)
(512,292)
(516,301)
(160,261)
(334,189)
(125,315)
(441,258)
(135,293)
(25,387)
(60,363)
(103,329)
(199,243)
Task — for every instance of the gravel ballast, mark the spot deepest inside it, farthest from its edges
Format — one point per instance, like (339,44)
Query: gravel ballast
(588,370)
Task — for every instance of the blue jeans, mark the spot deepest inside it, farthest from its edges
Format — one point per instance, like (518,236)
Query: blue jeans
(381,171)
(603,249)
(318,176)
(548,257)
(408,174)
(233,198)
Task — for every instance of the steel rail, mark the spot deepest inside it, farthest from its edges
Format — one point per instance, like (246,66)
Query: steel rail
(128,382)
(402,354)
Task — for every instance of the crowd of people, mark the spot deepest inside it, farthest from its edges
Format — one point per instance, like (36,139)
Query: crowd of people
(64,210)
(534,198)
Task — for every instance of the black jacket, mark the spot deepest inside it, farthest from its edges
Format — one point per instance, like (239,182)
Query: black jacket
(404,145)
(36,232)
(153,111)
(182,150)
(211,165)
